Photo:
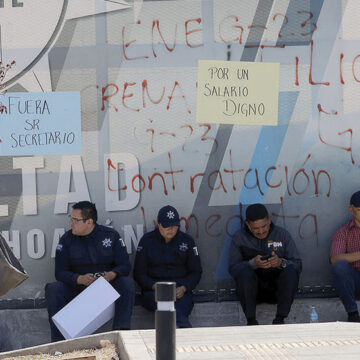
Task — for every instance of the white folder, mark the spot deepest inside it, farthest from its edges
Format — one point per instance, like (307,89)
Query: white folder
(88,311)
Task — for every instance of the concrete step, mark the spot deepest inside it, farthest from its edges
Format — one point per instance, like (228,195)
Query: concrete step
(321,341)
(21,328)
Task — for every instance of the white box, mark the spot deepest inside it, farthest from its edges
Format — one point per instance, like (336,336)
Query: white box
(91,309)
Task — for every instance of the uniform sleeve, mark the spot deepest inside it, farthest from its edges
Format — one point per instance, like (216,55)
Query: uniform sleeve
(122,264)
(236,260)
(62,263)
(291,253)
(141,267)
(194,268)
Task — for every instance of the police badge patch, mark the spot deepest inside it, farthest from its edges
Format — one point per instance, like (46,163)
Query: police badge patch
(106,242)
(170,215)
(183,247)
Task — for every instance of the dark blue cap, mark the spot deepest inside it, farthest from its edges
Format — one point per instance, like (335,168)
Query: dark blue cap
(355,199)
(168,216)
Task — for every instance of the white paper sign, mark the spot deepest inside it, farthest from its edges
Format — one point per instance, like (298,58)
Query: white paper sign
(40,123)
(91,309)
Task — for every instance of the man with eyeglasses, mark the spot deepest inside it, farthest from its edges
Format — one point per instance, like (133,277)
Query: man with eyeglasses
(85,252)
(265,265)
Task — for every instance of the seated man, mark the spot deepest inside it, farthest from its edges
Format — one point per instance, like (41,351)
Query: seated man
(168,254)
(345,260)
(265,264)
(87,249)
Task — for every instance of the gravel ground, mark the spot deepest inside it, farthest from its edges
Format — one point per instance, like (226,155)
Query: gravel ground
(107,351)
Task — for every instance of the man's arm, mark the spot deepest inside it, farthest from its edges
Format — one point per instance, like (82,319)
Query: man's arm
(194,269)
(350,258)
(122,264)
(141,269)
(338,248)
(292,256)
(62,263)
(236,261)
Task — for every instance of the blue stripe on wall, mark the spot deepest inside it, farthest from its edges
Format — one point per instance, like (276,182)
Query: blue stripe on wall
(265,155)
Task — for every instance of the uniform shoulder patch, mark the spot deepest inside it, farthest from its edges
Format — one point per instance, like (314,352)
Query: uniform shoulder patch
(59,247)
(139,249)
(195,250)
(122,242)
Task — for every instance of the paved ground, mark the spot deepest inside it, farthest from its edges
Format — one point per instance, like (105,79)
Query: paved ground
(321,341)
(292,342)
(25,328)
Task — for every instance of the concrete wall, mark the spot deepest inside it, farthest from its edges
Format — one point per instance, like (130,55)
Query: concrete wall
(136,70)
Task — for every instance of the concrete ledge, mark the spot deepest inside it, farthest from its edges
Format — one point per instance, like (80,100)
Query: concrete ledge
(26,328)
(322,341)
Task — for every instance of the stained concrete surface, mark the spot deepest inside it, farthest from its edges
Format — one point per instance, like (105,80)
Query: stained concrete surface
(321,341)
(21,328)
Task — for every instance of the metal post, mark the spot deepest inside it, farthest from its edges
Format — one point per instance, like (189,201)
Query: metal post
(165,320)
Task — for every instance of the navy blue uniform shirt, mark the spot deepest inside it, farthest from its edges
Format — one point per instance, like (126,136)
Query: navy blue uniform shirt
(177,260)
(101,250)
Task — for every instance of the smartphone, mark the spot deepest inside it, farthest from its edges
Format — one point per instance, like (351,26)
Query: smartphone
(265,257)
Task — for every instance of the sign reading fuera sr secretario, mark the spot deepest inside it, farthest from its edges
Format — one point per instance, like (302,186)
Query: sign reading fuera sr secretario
(40,123)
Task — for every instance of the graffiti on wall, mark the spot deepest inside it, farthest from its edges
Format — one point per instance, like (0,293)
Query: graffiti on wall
(135,67)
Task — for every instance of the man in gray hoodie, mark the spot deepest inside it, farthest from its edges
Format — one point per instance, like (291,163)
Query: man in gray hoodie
(265,265)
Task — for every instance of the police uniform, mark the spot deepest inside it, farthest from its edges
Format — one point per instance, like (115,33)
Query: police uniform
(177,261)
(274,285)
(101,250)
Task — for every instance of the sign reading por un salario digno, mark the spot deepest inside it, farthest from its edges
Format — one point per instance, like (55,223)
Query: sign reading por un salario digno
(243,93)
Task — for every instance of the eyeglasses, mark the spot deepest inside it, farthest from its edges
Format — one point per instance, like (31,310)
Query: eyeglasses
(75,220)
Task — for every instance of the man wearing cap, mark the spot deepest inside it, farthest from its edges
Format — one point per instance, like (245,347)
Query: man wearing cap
(345,260)
(168,254)
(83,253)
(265,265)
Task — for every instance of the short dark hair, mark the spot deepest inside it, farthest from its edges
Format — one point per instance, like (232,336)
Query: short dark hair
(256,212)
(355,199)
(88,210)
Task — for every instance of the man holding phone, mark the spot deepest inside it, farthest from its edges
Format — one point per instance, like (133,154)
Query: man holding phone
(265,265)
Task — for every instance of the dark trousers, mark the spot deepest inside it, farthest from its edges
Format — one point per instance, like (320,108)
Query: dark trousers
(273,286)
(183,307)
(58,294)
(346,281)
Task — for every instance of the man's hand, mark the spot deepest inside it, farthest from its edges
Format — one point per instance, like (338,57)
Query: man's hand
(86,279)
(274,260)
(180,291)
(110,275)
(262,264)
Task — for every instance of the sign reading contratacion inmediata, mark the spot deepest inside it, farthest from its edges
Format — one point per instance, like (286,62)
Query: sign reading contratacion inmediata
(243,93)
(40,123)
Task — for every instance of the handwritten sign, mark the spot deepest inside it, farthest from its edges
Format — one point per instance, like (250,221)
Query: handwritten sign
(40,123)
(243,93)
